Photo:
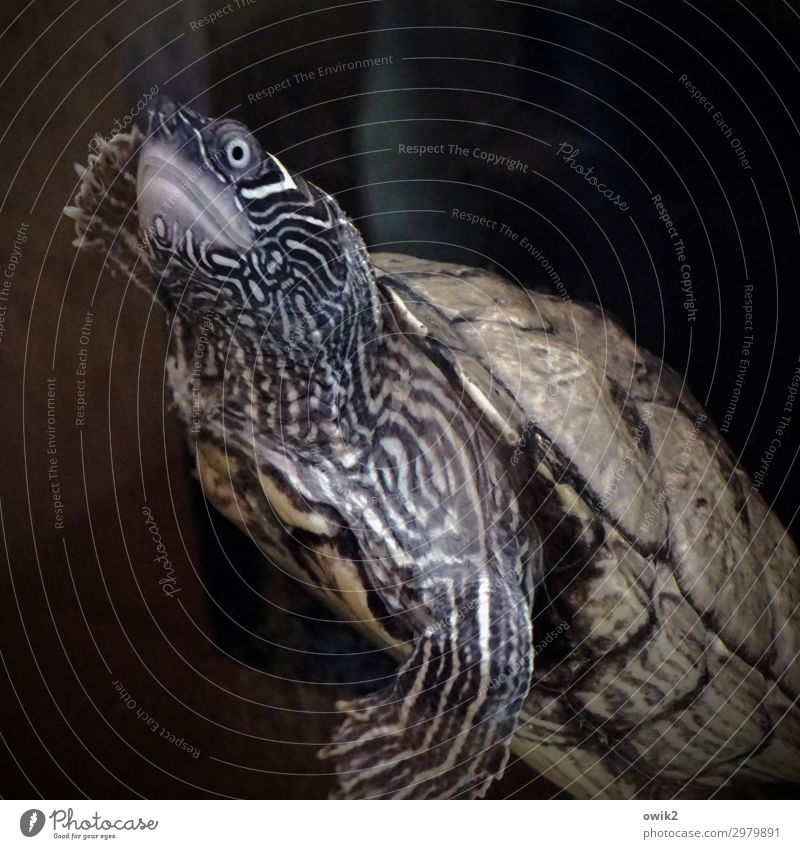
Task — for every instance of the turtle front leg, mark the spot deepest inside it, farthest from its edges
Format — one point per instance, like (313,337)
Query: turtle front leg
(442,729)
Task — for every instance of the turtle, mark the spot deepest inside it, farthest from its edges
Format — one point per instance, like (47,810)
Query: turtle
(495,483)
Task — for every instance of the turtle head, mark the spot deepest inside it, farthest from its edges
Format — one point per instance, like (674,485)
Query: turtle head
(191,180)
(225,222)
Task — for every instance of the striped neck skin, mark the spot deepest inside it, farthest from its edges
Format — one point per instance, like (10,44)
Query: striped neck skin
(275,261)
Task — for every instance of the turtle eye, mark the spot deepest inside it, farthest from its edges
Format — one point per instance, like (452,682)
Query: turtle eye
(237,153)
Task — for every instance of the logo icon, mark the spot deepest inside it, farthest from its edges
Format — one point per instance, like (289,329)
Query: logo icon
(31,822)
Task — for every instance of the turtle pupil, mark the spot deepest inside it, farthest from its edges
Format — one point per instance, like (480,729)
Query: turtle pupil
(238,153)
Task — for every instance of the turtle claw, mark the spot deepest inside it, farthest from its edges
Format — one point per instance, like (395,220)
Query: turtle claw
(384,750)
(442,729)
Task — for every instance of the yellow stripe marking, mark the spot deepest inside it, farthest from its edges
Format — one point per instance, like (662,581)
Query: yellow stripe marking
(307,520)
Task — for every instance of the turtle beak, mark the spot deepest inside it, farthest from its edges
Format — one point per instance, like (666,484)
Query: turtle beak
(180,192)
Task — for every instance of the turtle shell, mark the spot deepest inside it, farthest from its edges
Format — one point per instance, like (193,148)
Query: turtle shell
(667,638)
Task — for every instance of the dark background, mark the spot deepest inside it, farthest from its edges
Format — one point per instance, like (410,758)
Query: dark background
(82,607)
